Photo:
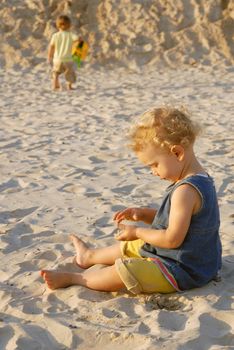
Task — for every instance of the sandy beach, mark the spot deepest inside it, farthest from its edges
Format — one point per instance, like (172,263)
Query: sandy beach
(66,168)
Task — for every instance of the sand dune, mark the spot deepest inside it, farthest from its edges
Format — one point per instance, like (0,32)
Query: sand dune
(130,33)
(64,168)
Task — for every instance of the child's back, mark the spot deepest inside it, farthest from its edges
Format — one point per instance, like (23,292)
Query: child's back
(63,42)
(198,259)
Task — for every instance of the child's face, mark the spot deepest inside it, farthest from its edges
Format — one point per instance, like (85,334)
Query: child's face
(166,164)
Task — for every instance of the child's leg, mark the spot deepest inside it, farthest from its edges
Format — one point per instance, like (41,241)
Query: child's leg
(106,280)
(69,86)
(69,74)
(55,81)
(86,257)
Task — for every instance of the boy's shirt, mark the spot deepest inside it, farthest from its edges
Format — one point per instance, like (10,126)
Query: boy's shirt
(63,41)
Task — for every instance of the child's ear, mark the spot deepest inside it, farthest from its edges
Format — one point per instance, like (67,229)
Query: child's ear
(178,151)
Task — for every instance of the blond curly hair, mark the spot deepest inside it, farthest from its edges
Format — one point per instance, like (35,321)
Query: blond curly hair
(163,127)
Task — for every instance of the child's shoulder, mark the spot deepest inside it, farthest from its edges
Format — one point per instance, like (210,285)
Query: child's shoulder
(61,34)
(55,34)
(196,179)
(199,182)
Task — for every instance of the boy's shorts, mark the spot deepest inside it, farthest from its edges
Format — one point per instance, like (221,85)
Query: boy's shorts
(140,275)
(67,68)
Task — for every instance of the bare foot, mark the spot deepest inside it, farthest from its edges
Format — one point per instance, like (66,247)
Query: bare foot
(69,87)
(56,279)
(83,253)
(56,88)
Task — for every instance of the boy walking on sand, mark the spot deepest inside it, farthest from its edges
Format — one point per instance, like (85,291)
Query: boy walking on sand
(60,53)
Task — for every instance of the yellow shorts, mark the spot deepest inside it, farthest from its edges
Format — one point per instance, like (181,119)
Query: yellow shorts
(140,275)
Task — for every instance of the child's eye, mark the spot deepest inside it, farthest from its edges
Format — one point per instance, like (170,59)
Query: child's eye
(154,165)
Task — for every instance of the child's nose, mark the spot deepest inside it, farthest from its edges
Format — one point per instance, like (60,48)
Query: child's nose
(154,172)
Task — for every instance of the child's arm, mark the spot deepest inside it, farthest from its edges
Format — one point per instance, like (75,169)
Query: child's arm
(185,202)
(76,42)
(50,53)
(136,214)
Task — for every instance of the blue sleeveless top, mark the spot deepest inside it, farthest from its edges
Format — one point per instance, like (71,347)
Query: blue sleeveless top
(198,259)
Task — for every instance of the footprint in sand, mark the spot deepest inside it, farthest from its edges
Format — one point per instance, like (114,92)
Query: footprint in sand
(172,321)
(11,186)
(124,189)
(48,255)
(8,216)
(6,333)
(212,331)
(96,160)
(71,188)
(30,307)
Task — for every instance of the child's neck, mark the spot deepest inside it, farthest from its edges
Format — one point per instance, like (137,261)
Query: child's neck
(191,166)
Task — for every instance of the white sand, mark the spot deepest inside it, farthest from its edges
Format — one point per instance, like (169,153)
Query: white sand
(65,168)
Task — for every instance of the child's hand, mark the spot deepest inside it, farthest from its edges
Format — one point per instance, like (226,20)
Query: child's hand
(50,61)
(131,214)
(126,233)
